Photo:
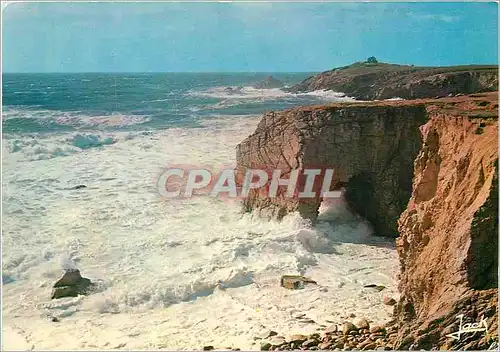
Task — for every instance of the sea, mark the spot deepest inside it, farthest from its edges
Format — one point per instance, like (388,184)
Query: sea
(170,273)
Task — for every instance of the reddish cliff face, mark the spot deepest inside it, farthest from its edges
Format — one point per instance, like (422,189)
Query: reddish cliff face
(423,170)
(448,244)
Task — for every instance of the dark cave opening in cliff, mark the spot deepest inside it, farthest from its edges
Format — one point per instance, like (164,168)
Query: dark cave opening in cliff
(359,196)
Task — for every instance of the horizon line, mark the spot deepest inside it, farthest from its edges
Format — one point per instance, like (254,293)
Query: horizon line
(253,72)
(142,72)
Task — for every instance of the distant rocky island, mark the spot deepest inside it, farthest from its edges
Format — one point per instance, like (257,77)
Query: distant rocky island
(371,80)
(423,171)
(269,83)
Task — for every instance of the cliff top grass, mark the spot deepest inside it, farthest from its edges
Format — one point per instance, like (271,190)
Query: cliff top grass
(359,68)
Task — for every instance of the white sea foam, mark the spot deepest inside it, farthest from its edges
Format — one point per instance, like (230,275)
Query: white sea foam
(37,147)
(114,120)
(75,119)
(255,94)
(172,274)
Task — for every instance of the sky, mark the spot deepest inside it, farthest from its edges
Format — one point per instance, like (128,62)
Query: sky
(243,36)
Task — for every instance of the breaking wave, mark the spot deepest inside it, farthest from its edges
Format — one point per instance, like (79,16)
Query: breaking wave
(74,119)
(250,93)
(37,147)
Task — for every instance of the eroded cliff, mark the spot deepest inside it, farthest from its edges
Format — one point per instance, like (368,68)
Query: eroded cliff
(371,148)
(423,170)
(369,81)
(448,244)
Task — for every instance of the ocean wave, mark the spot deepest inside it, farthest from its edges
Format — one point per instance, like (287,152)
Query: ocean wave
(161,294)
(233,92)
(115,120)
(247,93)
(34,147)
(90,141)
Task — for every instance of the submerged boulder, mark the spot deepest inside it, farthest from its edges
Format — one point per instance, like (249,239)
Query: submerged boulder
(78,187)
(72,284)
(375,287)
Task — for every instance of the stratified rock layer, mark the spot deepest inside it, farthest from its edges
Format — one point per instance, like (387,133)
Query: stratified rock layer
(370,147)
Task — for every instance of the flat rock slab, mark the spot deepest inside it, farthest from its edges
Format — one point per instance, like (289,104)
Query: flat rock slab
(295,282)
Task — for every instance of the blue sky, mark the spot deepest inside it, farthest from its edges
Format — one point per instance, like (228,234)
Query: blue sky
(231,37)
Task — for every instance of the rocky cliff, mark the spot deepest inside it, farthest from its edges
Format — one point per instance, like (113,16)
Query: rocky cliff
(370,81)
(422,170)
(448,244)
(371,148)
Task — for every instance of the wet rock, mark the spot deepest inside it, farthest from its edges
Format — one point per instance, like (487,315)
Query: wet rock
(269,82)
(78,187)
(277,341)
(367,345)
(208,348)
(7,279)
(295,282)
(375,329)
(72,284)
(307,321)
(266,334)
(297,339)
(348,327)
(362,324)
(61,292)
(389,301)
(309,343)
(331,329)
(265,346)
(325,345)
(375,287)
(406,342)
(339,345)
